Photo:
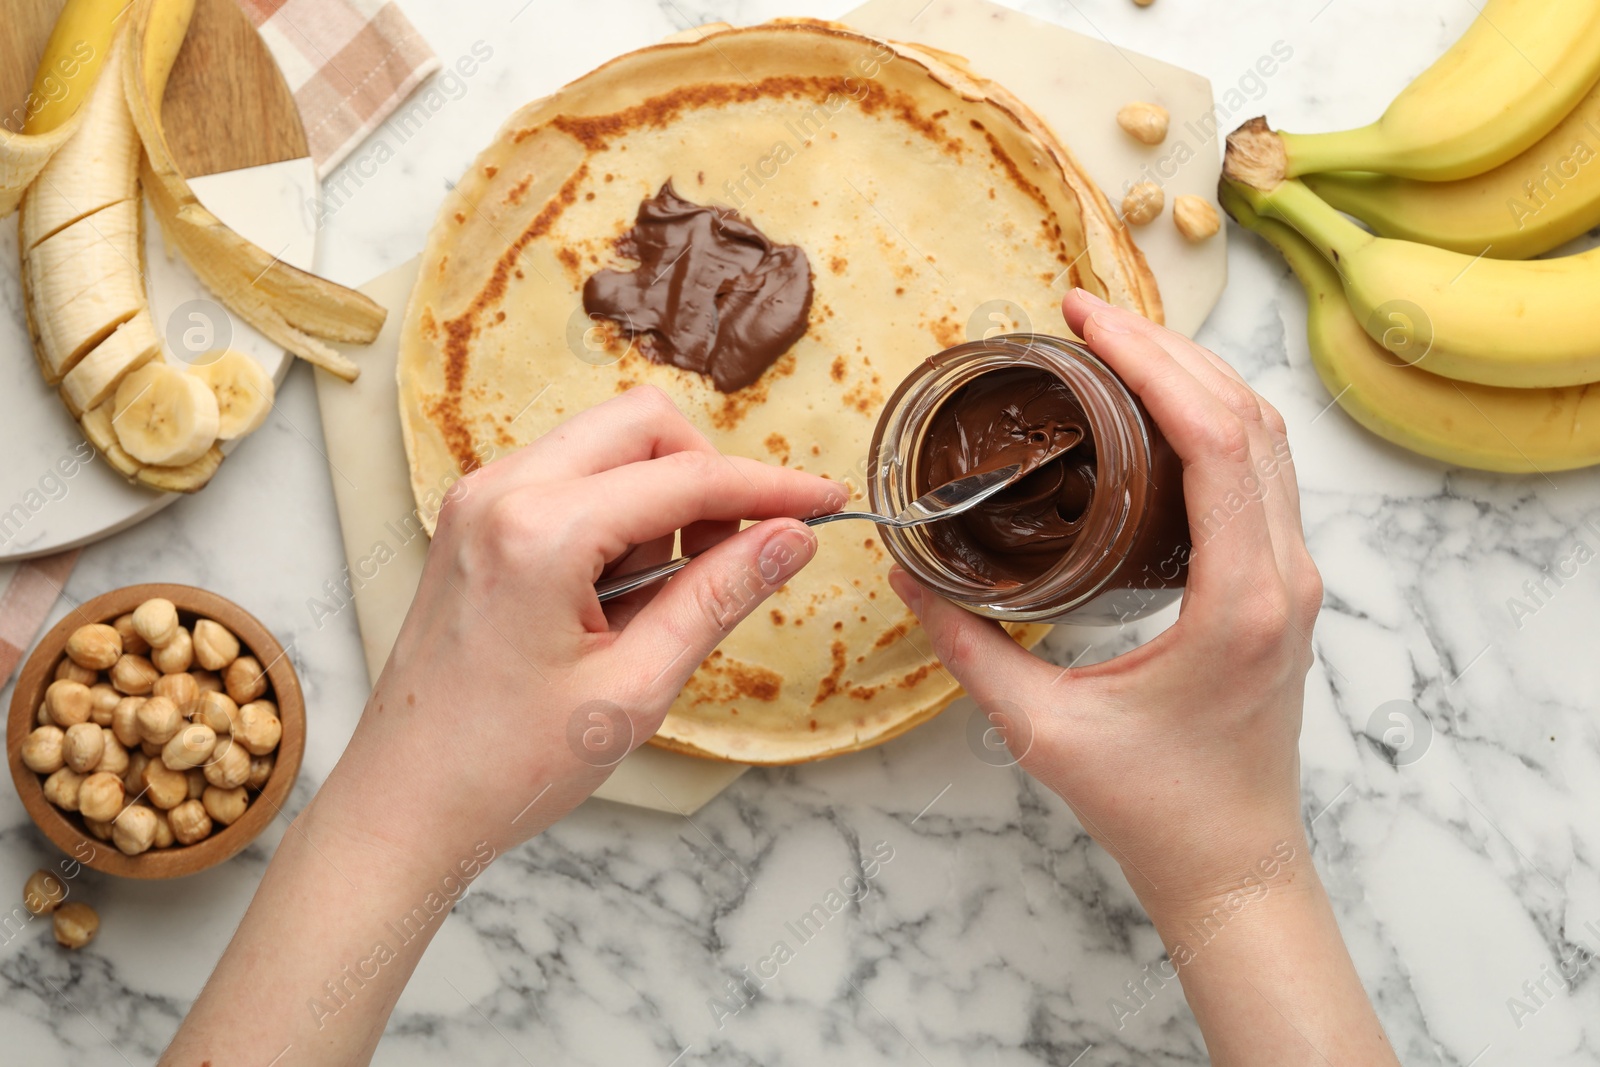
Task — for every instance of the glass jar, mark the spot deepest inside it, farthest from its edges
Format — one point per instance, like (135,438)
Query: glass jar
(1130,554)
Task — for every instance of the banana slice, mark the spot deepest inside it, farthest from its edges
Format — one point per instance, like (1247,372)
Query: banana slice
(97,375)
(189,478)
(164,417)
(243,389)
(96,425)
(83,283)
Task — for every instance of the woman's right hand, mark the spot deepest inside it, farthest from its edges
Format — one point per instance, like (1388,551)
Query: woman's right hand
(1179,757)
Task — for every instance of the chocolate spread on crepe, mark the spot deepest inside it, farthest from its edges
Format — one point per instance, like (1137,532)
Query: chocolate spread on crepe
(719,297)
(1018,415)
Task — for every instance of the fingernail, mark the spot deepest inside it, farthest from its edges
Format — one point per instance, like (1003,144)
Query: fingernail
(837,498)
(784,554)
(906,589)
(1106,324)
(1089,298)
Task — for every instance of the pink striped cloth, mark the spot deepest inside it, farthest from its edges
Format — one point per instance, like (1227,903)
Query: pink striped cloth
(349,63)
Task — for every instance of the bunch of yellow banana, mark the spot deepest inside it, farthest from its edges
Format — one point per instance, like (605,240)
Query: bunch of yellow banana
(80,234)
(1436,333)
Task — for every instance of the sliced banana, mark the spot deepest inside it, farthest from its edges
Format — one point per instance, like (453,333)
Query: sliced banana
(164,417)
(82,283)
(96,425)
(243,389)
(189,478)
(97,375)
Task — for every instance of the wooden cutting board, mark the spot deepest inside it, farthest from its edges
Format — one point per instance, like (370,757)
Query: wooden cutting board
(227,105)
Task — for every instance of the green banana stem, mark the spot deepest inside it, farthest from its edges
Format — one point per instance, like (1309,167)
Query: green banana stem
(1335,236)
(1315,273)
(1311,153)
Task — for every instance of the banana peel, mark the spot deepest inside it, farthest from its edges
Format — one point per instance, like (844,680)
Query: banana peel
(1520,431)
(291,307)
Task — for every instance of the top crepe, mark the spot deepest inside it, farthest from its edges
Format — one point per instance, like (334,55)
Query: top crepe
(933,207)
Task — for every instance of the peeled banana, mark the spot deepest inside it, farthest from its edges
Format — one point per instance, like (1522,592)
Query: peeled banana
(1524,324)
(83,283)
(97,375)
(1467,425)
(243,389)
(1521,66)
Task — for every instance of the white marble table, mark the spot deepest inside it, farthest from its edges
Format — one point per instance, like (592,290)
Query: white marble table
(998,933)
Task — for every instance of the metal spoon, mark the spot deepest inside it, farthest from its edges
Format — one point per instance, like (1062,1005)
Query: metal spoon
(947,501)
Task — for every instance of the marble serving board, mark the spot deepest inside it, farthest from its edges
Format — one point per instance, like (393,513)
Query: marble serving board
(1075,83)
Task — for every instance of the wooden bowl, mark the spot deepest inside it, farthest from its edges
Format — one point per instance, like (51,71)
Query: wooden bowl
(66,829)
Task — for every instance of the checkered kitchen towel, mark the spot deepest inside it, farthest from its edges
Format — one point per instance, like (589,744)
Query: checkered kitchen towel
(350,63)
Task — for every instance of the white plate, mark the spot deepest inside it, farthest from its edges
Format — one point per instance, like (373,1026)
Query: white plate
(42,508)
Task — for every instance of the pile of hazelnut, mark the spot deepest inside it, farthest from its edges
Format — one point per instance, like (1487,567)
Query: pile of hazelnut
(154,732)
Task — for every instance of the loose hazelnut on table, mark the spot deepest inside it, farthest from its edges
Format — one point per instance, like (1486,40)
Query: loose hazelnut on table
(83,746)
(230,765)
(131,641)
(134,831)
(225,805)
(1144,122)
(113,757)
(214,645)
(207,681)
(156,620)
(76,924)
(181,689)
(216,710)
(103,701)
(69,702)
(1195,218)
(43,892)
(1143,203)
(100,796)
(134,675)
(260,770)
(70,671)
(258,728)
(189,822)
(96,646)
(125,720)
(244,679)
(163,786)
(61,788)
(43,750)
(158,720)
(189,747)
(175,656)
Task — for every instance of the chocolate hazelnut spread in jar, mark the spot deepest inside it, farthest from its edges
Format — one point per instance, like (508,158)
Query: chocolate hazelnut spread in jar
(1095,533)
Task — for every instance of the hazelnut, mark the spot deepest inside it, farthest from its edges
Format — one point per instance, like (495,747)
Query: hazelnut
(83,746)
(230,765)
(1195,218)
(71,672)
(260,770)
(177,655)
(197,782)
(151,748)
(42,716)
(207,681)
(189,822)
(1143,203)
(96,646)
(216,710)
(163,837)
(125,720)
(103,701)
(76,924)
(258,728)
(1144,3)
(61,788)
(244,679)
(43,892)
(134,831)
(134,675)
(165,787)
(113,757)
(214,645)
(131,641)
(1144,122)
(158,720)
(225,805)
(133,777)
(156,620)
(42,750)
(189,747)
(180,689)
(69,702)
(100,796)
(99,828)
